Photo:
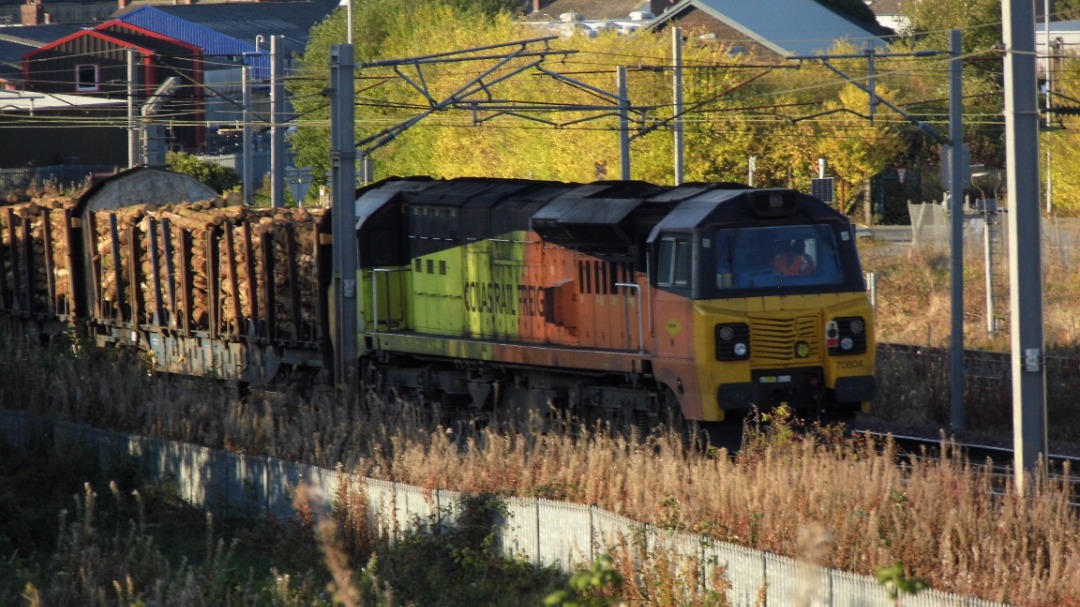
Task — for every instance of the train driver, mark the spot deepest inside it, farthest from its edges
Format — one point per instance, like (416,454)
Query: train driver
(792,260)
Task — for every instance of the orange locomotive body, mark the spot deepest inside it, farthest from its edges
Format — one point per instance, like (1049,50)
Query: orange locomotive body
(630,299)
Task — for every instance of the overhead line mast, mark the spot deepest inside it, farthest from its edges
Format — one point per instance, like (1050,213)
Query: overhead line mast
(1025,252)
(955,154)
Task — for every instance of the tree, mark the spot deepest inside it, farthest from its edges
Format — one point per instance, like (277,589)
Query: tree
(980,24)
(378,28)
(932,20)
(1065,10)
(856,148)
(734,110)
(218,177)
(1063,142)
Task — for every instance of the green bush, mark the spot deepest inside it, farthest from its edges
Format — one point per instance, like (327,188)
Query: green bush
(219,177)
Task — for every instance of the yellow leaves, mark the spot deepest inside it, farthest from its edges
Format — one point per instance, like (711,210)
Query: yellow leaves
(734,112)
(856,148)
(427,28)
(1063,145)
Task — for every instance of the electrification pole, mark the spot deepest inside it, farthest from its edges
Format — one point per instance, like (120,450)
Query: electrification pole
(1025,248)
(677,84)
(343,216)
(277,131)
(624,125)
(249,160)
(133,124)
(957,169)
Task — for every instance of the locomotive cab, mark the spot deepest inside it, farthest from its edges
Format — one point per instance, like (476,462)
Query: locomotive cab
(761,301)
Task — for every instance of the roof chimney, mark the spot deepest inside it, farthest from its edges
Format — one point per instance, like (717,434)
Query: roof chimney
(657,7)
(122,4)
(33,13)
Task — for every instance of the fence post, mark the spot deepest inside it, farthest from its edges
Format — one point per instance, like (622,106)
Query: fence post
(765,578)
(592,533)
(266,485)
(539,550)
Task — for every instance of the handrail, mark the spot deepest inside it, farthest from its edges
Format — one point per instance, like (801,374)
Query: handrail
(375,296)
(640,306)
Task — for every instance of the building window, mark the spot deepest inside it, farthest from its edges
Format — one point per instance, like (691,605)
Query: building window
(88,77)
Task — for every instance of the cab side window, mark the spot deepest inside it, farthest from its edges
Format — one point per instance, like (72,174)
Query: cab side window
(674,262)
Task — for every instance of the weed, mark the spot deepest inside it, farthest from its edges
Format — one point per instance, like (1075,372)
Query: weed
(937,517)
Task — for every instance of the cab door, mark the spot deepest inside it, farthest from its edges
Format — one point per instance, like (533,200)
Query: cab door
(673,307)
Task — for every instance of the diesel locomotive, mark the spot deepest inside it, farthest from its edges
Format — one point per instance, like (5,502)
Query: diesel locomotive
(627,299)
(621,299)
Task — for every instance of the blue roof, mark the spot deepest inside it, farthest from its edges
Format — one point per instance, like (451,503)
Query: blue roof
(228,30)
(786,27)
(40,35)
(1072,25)
(246,20)
(11,59)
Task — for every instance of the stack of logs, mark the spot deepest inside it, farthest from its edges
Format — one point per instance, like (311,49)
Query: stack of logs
(35,256)
(212,266)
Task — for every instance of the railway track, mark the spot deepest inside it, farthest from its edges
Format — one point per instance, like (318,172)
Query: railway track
(979,364)
(998,459)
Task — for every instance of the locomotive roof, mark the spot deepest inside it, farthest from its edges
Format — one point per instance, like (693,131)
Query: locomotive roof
(607,215)
(715,206)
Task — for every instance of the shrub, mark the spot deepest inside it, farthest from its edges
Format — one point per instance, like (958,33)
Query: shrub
(218,177)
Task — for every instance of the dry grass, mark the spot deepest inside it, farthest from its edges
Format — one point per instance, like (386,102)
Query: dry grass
(875,513)
(939,518)
(914,307)
(914,296)
(107,564)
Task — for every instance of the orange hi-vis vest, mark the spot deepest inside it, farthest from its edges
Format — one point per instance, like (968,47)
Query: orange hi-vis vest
(792,264)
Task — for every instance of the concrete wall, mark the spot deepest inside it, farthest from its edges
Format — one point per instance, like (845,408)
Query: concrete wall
(543,532)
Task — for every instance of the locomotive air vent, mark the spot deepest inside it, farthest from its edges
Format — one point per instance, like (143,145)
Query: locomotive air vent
(587,222)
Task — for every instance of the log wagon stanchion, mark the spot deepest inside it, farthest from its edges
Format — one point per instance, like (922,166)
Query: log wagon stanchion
(211,288)
(37,283)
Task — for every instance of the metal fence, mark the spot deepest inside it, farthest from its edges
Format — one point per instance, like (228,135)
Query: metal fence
(930,227)
(543,532)
(66,176)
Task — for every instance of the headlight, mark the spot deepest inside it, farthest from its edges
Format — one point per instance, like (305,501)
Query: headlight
(846,335)
(732,341)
